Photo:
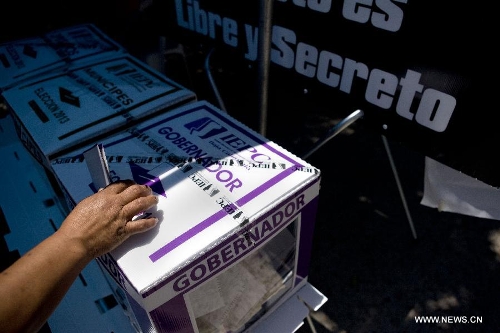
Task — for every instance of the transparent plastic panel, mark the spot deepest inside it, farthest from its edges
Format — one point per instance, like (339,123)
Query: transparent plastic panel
(236,298)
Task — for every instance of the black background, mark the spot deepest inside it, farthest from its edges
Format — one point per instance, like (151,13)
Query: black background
(451,43)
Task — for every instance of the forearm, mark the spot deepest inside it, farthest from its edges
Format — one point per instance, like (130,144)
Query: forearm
(36,283)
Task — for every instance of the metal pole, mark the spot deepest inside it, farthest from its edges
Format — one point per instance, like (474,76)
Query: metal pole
(400,188)
(265,27)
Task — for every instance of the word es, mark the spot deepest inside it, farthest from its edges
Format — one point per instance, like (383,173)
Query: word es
(382,14)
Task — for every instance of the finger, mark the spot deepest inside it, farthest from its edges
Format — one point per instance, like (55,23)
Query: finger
(119,186)
(133,192)
(141,225)
(139,205)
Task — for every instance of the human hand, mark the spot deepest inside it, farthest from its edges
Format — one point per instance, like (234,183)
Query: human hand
(103,220)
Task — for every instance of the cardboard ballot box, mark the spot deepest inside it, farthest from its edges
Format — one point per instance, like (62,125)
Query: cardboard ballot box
(236,213)
(26,58)
(57,113)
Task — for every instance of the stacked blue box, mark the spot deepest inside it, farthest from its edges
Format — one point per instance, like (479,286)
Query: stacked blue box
(23,59)
(58,112)
(91,295)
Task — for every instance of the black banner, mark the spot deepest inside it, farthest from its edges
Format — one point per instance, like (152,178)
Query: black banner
(422,71)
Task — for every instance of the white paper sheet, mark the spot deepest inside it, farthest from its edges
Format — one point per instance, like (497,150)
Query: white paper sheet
(450,190)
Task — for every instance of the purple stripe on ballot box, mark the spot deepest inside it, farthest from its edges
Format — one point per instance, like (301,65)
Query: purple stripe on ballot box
(187,235)
(259,190)
(164,250)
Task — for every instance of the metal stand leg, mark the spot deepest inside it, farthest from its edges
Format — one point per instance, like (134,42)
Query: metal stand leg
(212,81)
(400,188)
(311,324)
(346,122)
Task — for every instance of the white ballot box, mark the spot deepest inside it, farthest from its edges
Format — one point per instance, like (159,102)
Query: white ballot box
(27,58)
(236,218)
(57,113)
